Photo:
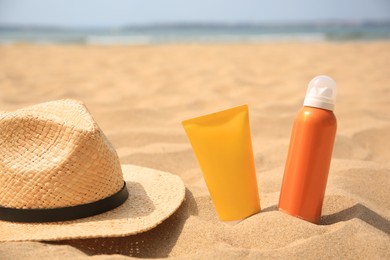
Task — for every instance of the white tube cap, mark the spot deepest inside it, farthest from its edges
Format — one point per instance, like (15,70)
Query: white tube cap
(321,93)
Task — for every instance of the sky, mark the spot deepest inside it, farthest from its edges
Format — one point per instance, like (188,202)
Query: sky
(116,13)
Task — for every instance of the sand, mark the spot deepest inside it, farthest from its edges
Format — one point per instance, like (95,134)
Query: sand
(140,94)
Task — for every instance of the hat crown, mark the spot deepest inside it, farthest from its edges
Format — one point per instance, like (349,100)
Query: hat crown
(55,155)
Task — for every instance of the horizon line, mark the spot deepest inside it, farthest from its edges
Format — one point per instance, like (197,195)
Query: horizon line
(323,22)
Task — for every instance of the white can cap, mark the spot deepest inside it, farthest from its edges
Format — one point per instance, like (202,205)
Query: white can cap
(321,93)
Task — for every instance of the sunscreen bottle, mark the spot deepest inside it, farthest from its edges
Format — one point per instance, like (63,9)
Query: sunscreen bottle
(310,152)
(223,146)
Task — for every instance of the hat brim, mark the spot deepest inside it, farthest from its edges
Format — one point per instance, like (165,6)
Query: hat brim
(153,197)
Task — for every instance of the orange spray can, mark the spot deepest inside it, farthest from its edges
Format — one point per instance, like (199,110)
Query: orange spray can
(310,152)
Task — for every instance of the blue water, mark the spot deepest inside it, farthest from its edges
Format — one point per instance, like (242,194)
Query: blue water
(198,34)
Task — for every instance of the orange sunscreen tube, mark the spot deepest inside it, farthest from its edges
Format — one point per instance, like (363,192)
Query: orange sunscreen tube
(310,152)
(223,147)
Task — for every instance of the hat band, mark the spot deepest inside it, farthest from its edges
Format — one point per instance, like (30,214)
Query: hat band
(65,213)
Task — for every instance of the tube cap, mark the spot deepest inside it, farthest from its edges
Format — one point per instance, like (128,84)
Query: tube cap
(321,93)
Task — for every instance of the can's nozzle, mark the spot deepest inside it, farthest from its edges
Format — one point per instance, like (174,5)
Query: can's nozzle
(321,93)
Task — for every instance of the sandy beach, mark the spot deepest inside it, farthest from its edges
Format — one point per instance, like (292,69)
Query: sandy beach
(140,94)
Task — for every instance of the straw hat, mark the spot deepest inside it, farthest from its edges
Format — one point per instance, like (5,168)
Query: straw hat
(60,178)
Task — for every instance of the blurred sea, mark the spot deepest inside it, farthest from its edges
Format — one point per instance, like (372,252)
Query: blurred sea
(198,33)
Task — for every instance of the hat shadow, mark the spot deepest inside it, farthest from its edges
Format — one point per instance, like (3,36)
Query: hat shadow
(155,243)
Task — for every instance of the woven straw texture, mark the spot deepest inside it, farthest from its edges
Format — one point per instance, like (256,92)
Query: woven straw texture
(153,197)
(55,155)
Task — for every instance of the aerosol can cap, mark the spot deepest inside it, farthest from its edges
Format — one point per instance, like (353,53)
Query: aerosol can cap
(321,93)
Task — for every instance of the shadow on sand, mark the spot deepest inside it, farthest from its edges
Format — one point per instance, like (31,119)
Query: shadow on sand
(358,211)
(154,243)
